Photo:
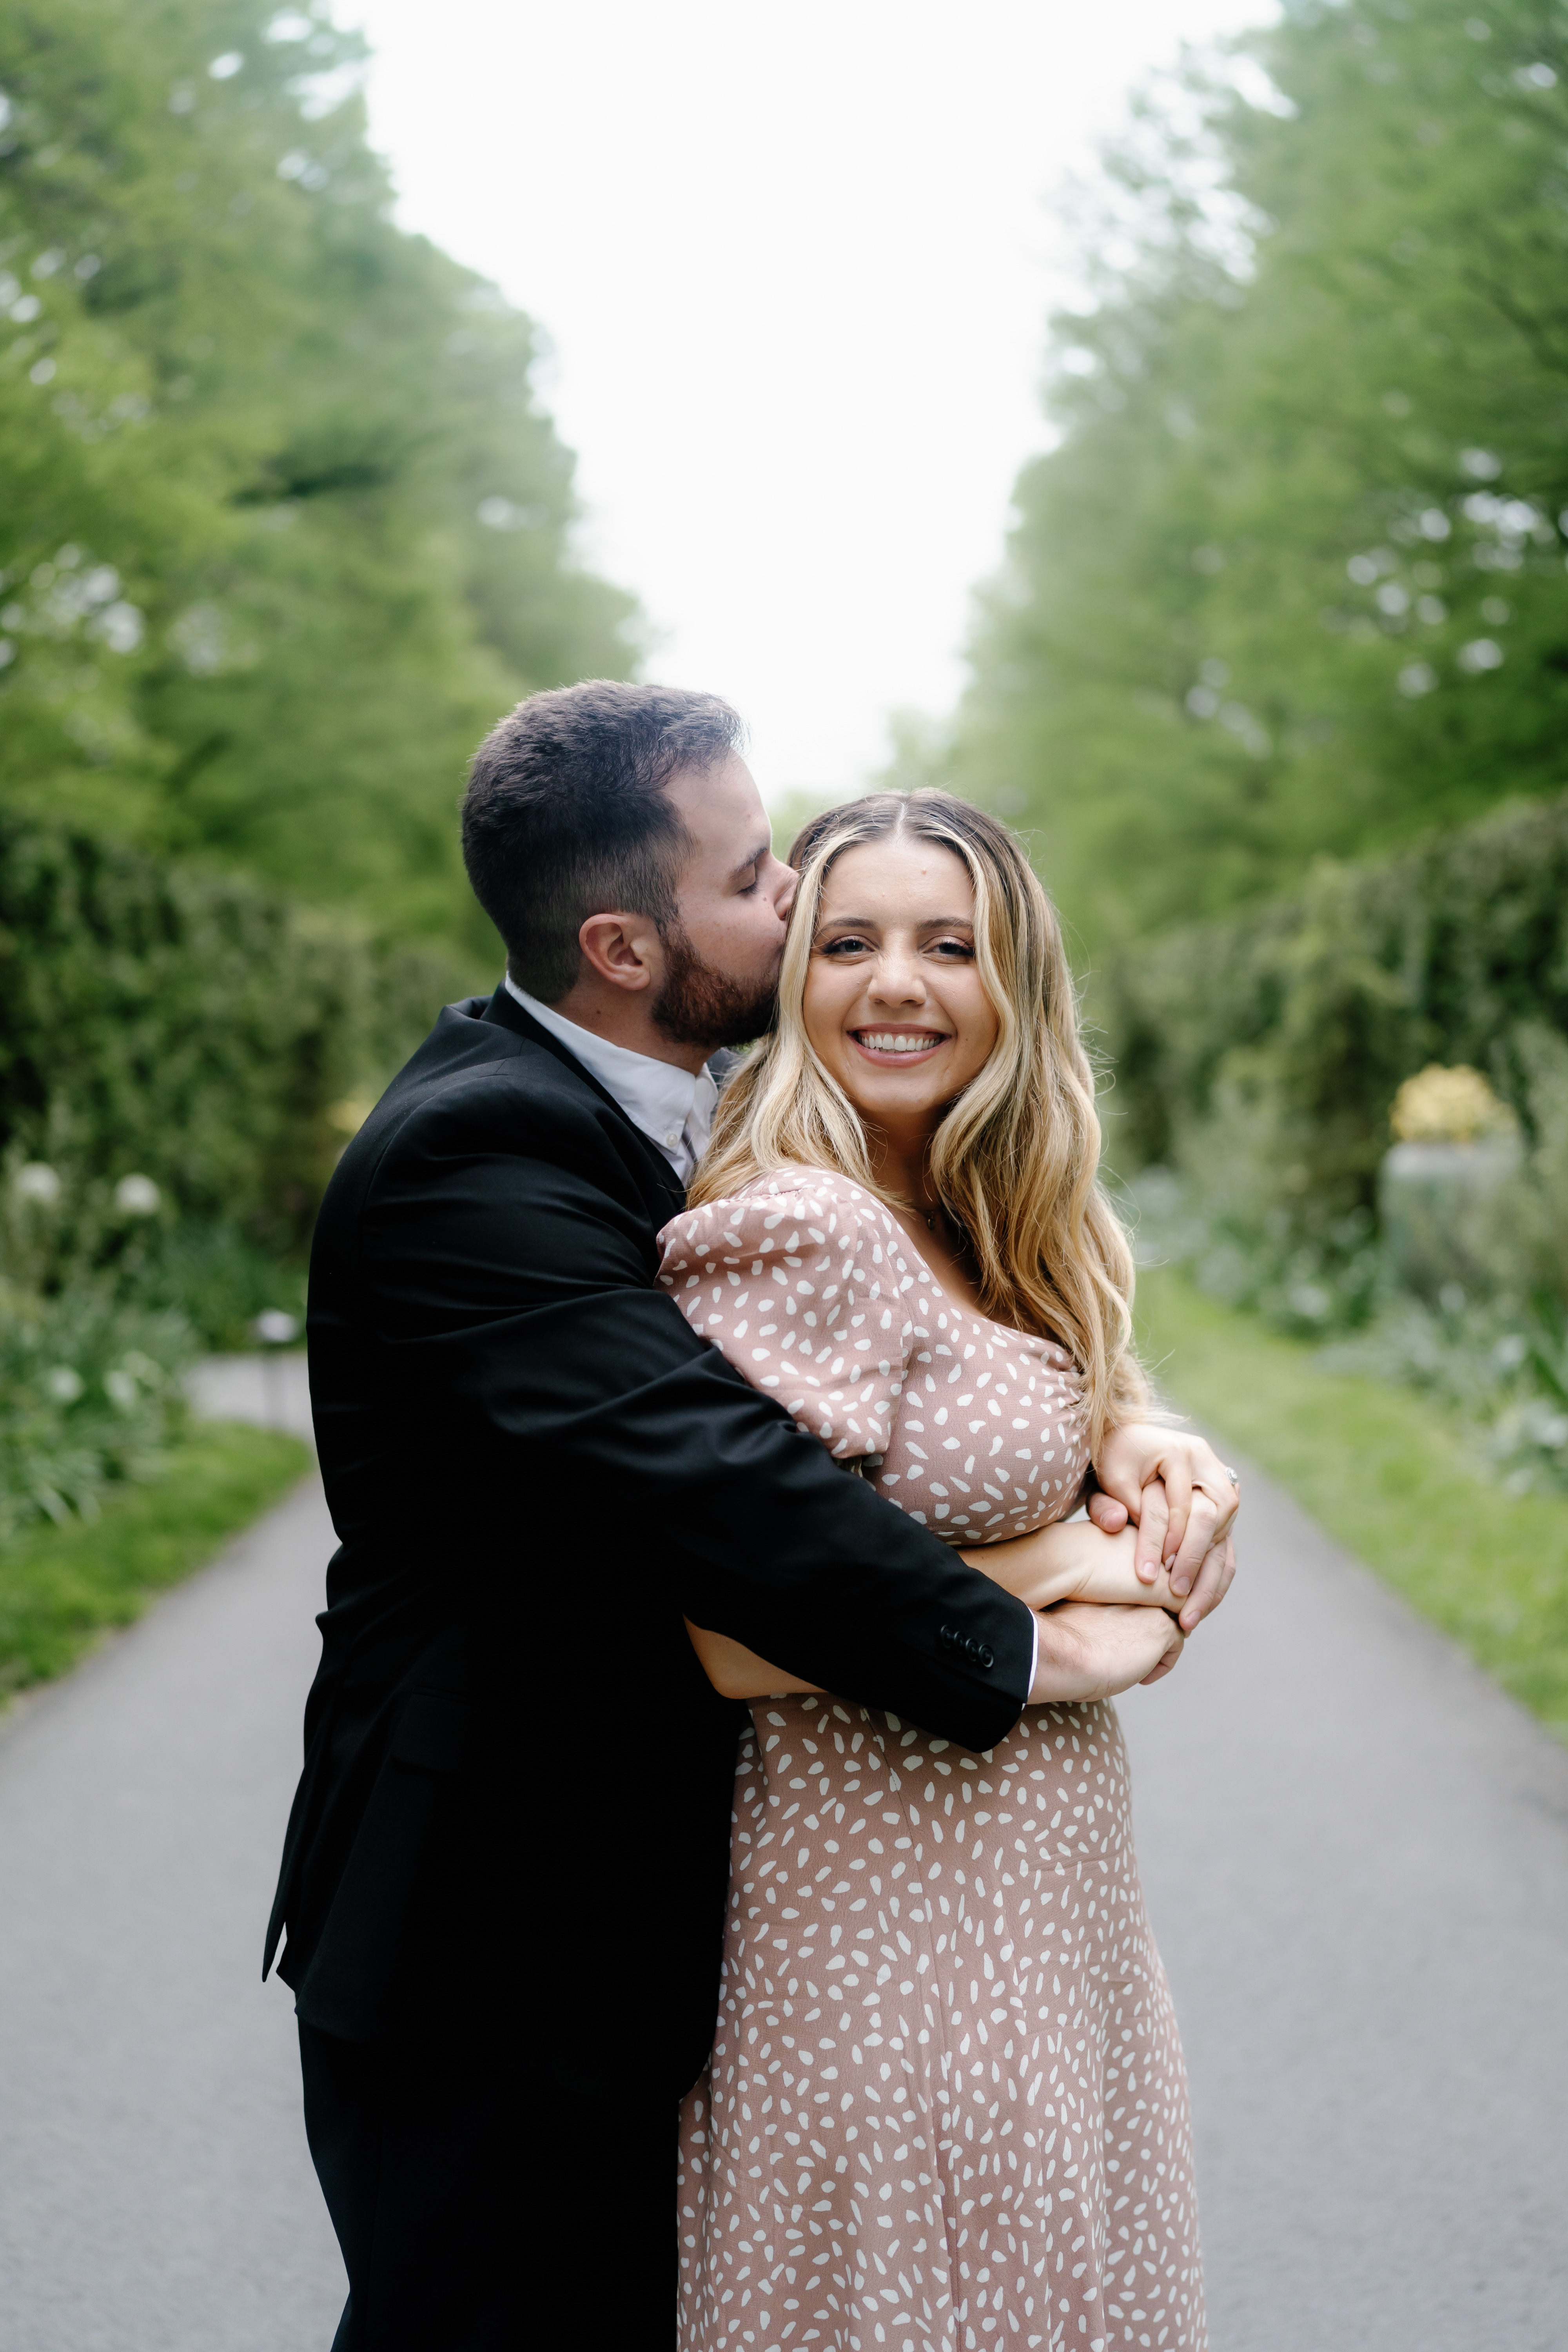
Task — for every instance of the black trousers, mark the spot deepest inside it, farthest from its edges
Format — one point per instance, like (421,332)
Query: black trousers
(480,2206)
(415,2145)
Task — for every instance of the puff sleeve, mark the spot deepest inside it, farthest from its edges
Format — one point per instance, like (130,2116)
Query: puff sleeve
(800,1281)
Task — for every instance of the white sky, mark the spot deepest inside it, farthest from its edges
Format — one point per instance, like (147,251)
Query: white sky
(795,265)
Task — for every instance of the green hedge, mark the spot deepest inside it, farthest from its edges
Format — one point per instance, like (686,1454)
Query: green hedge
(163,1021)
(1263,1053)
(63,1587)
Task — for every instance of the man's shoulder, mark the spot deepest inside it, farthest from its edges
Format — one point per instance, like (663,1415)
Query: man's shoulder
(478,1086)
(470,1057)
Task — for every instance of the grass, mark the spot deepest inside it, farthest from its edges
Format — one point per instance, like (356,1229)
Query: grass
(1389,1474)
(62,1588)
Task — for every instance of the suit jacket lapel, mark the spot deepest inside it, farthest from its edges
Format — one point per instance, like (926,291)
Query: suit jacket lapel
(652,1170)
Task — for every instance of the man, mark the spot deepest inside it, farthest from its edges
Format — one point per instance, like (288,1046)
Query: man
(505,1870)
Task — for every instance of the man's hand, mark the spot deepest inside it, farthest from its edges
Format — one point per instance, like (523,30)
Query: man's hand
(1184,1502)
(1091,1650)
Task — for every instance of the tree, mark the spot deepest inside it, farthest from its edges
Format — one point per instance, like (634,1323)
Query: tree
(1294,579)
(284,527)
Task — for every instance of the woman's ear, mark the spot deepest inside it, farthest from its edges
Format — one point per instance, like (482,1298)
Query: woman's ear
(623,950)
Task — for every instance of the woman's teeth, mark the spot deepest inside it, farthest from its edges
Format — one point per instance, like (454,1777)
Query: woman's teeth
(897,1041)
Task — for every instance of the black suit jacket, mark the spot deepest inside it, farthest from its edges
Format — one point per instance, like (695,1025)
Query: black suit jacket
(517,1783)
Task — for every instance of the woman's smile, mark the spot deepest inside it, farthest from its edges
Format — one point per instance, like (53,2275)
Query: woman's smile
(887,1045)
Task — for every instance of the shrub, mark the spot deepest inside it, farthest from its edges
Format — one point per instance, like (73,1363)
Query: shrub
(91,1395)
(189,1029)
(1263,1065)
(1262,1056)
(178,1053)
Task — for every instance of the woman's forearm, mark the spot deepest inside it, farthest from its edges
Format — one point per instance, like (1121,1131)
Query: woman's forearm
(736,1672)
(1071,1560)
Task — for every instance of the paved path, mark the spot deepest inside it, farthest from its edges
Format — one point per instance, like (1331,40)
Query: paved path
(1356,1855)
(156,2193)
(273,1391)
(1355,1852)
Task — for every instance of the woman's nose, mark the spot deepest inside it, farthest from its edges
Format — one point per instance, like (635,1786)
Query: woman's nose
(897,978)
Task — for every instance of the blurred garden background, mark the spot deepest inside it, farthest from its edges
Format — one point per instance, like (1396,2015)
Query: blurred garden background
(1271,668)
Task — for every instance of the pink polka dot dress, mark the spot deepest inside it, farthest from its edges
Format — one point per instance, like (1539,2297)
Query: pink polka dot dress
(946,2109)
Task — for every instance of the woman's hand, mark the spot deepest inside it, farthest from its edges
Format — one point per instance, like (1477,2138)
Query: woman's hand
(1184,1501)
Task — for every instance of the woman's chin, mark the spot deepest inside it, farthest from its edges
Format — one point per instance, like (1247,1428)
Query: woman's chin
(893,1100)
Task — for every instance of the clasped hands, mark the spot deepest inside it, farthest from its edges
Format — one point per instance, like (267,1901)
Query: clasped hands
(1118,1592)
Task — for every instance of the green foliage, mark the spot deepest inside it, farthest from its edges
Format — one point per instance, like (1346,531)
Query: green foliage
(1503,1368)
(1257,1060)
(89,1397)
(161,1021)
(1391,1476)
(61,1588)
(284,527)
(1294,581)
(1496,1357)
(1262,1053)
(218,1279)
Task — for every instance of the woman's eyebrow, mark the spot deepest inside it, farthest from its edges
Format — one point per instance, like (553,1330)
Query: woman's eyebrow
(871,923)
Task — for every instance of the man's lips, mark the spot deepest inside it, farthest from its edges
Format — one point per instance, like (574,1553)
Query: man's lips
(899,1047)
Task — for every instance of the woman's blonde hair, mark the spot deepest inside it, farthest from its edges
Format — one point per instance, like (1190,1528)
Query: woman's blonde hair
(1016,1159)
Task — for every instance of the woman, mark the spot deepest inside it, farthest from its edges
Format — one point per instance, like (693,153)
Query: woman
(946,2106)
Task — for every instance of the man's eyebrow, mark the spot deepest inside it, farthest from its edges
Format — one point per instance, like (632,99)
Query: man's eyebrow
(755,859)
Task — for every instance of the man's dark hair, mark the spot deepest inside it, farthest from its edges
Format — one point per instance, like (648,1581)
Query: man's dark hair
(565,815)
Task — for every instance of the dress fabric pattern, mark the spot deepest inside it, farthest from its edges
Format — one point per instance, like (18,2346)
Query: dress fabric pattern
(946,2108)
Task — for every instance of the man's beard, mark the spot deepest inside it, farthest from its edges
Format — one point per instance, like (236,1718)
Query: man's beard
(699,1006)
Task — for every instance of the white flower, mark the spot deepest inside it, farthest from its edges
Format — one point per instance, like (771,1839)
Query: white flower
(137,1196)
(121,1390)
(37,1182)
(119,626)
(275,1329)
(200,639)
(63,1384)
(504,514)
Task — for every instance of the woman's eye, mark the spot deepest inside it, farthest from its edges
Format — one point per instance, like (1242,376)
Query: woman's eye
(955,947)
(850,944)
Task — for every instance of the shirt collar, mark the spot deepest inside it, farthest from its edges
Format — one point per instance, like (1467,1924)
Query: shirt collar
(673,1109)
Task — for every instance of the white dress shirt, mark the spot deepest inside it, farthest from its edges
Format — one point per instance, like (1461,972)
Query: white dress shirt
(673,1109)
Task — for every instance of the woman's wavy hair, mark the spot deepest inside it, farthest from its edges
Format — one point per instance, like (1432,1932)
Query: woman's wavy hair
(1016,1159)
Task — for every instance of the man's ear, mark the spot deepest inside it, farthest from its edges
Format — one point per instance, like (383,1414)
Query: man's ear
(620,949)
